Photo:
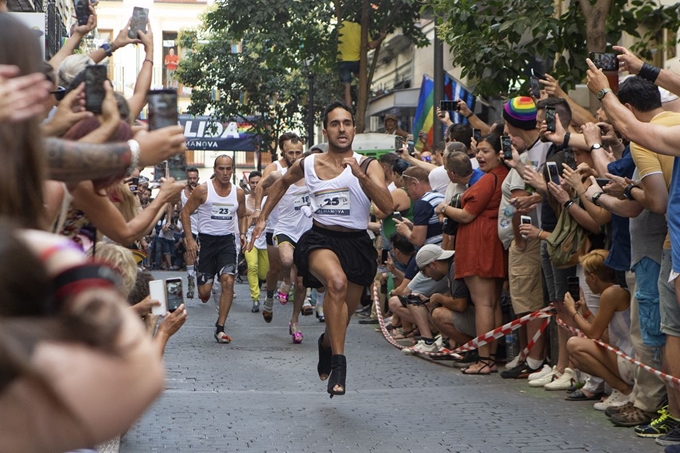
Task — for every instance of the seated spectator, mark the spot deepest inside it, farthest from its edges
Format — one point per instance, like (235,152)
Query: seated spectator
(614,315)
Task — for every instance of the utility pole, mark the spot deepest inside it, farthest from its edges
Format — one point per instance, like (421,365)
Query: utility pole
(438,85)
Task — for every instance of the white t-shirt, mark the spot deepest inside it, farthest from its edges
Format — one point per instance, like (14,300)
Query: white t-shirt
(439,180)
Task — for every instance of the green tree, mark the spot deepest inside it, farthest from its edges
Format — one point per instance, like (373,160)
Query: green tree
(267,79)
(494,41)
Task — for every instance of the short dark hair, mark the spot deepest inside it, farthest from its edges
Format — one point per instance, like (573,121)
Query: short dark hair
(192,170)
(333,106)
(400,166)
(389,159)
(460,133)
(640,93)
(561,108)
(288,136)
(254,174)
(440,147)
(459,163)
(402,244)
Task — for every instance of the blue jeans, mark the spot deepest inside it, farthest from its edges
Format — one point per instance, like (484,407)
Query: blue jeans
(647,294)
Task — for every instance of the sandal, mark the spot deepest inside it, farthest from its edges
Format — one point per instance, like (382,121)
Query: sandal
(401,334)
(283,297)
(324,366)
(294,331)
(220,336)
(488,364)
(336,383)
(268,310)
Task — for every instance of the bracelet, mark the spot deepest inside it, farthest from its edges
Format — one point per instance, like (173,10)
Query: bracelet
(468,116)
(146,59)
(649,72)
(568,205)
(538,236)
(565,142)
(573,317)
(134,149)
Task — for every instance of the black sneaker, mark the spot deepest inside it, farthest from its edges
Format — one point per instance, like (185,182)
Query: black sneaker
(521,371)
(672,438)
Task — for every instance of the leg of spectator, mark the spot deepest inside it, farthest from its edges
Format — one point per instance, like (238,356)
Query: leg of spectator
(484,293)
(597,361)
(442,318)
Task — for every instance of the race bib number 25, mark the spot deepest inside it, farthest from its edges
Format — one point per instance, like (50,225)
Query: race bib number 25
(333,202)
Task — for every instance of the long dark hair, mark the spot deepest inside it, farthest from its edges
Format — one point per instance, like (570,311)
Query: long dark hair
(22,171)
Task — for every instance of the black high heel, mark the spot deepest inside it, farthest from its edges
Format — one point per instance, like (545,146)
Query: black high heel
(325,355)
(338,375)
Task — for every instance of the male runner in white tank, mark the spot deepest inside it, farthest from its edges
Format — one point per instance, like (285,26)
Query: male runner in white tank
(337,252)
(221,218)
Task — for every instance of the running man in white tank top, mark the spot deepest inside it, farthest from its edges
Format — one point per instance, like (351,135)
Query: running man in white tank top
(280,167)
(192,182)
(221,220)
(337,252)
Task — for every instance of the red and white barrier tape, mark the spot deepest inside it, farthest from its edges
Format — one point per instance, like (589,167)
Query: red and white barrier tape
(516,324)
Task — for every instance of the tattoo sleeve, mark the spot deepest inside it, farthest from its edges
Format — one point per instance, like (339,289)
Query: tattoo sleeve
(70,161)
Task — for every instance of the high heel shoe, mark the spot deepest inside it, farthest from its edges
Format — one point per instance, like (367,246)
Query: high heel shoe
(338,375)
(294,331)
(325,360)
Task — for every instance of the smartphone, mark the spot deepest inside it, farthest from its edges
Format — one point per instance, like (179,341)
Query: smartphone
(157,292)
(411,148)
(553,172)
(609,64)
(162,108)
(535,86)
(398,143)
(525,220)
(550,119)
(134,183)
(140,17)
(82,11)
(602,182)
(448,106)
(477,134)
(507,147)
(177,167)
(95,76)
(574,288)
(174,293)
(397,215)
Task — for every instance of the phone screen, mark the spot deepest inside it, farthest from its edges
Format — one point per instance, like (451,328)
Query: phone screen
(139,18)
(535,86)
(397,215)
(448,106)
(411,148)
(477,134)
(177,166)
(525,220)
(609,64)
(553,172)
(174,293)
(82,11)
(398,143)
(162,108)
(602,182)
(574,288)
(95,76)
(507,147)
(550,119)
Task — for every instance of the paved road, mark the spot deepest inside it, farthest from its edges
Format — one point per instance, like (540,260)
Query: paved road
(261,393)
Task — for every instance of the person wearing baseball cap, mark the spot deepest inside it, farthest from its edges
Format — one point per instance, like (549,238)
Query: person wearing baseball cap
(392,126)
(524,253)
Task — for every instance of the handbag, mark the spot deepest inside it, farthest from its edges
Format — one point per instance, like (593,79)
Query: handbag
(450,226)
(568,242)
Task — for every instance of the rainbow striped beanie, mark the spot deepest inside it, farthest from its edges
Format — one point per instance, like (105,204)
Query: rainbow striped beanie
(520,112)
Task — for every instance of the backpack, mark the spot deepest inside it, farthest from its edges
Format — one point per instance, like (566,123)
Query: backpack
(568,241)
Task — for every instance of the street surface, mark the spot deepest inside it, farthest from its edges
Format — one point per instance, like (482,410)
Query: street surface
(261,393)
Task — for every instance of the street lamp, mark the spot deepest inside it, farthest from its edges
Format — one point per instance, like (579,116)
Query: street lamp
(310,109)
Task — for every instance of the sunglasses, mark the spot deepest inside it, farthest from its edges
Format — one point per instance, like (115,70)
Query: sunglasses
(59,93)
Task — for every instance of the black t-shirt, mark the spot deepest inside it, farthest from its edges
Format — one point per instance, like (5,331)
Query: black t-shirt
(411,268)
(548,214)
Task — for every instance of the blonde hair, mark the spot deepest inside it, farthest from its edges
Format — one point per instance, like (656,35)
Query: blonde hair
(122,261)
(124,200)
(593,263)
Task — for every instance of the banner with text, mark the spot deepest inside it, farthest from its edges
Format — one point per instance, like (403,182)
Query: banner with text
(203,133)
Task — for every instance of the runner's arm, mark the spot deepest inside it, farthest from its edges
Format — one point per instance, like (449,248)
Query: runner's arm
(373,184)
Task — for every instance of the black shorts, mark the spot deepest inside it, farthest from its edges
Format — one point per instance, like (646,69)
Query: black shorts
(270,238)
(217,255)
(355,250)
(281,238)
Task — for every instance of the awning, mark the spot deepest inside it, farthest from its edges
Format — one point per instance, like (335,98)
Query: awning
(404,101)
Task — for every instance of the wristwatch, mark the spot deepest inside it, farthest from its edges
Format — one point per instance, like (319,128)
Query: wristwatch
(596,146)
(596,197)
(627,192)
(107,48)
(602,93)
(443,209)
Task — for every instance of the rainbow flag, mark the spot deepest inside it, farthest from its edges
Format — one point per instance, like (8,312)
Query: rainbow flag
(424,117)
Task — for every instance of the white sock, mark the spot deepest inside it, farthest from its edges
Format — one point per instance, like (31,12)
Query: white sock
(319,298)
(534,363)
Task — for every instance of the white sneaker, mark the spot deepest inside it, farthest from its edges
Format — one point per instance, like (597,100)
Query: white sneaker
(439,341)
(563,382)
(512,364)
(616,399)
(421,347)
(540,373)
(545,379)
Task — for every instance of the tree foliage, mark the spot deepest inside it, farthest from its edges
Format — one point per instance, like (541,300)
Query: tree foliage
(494,41)
(267,79)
